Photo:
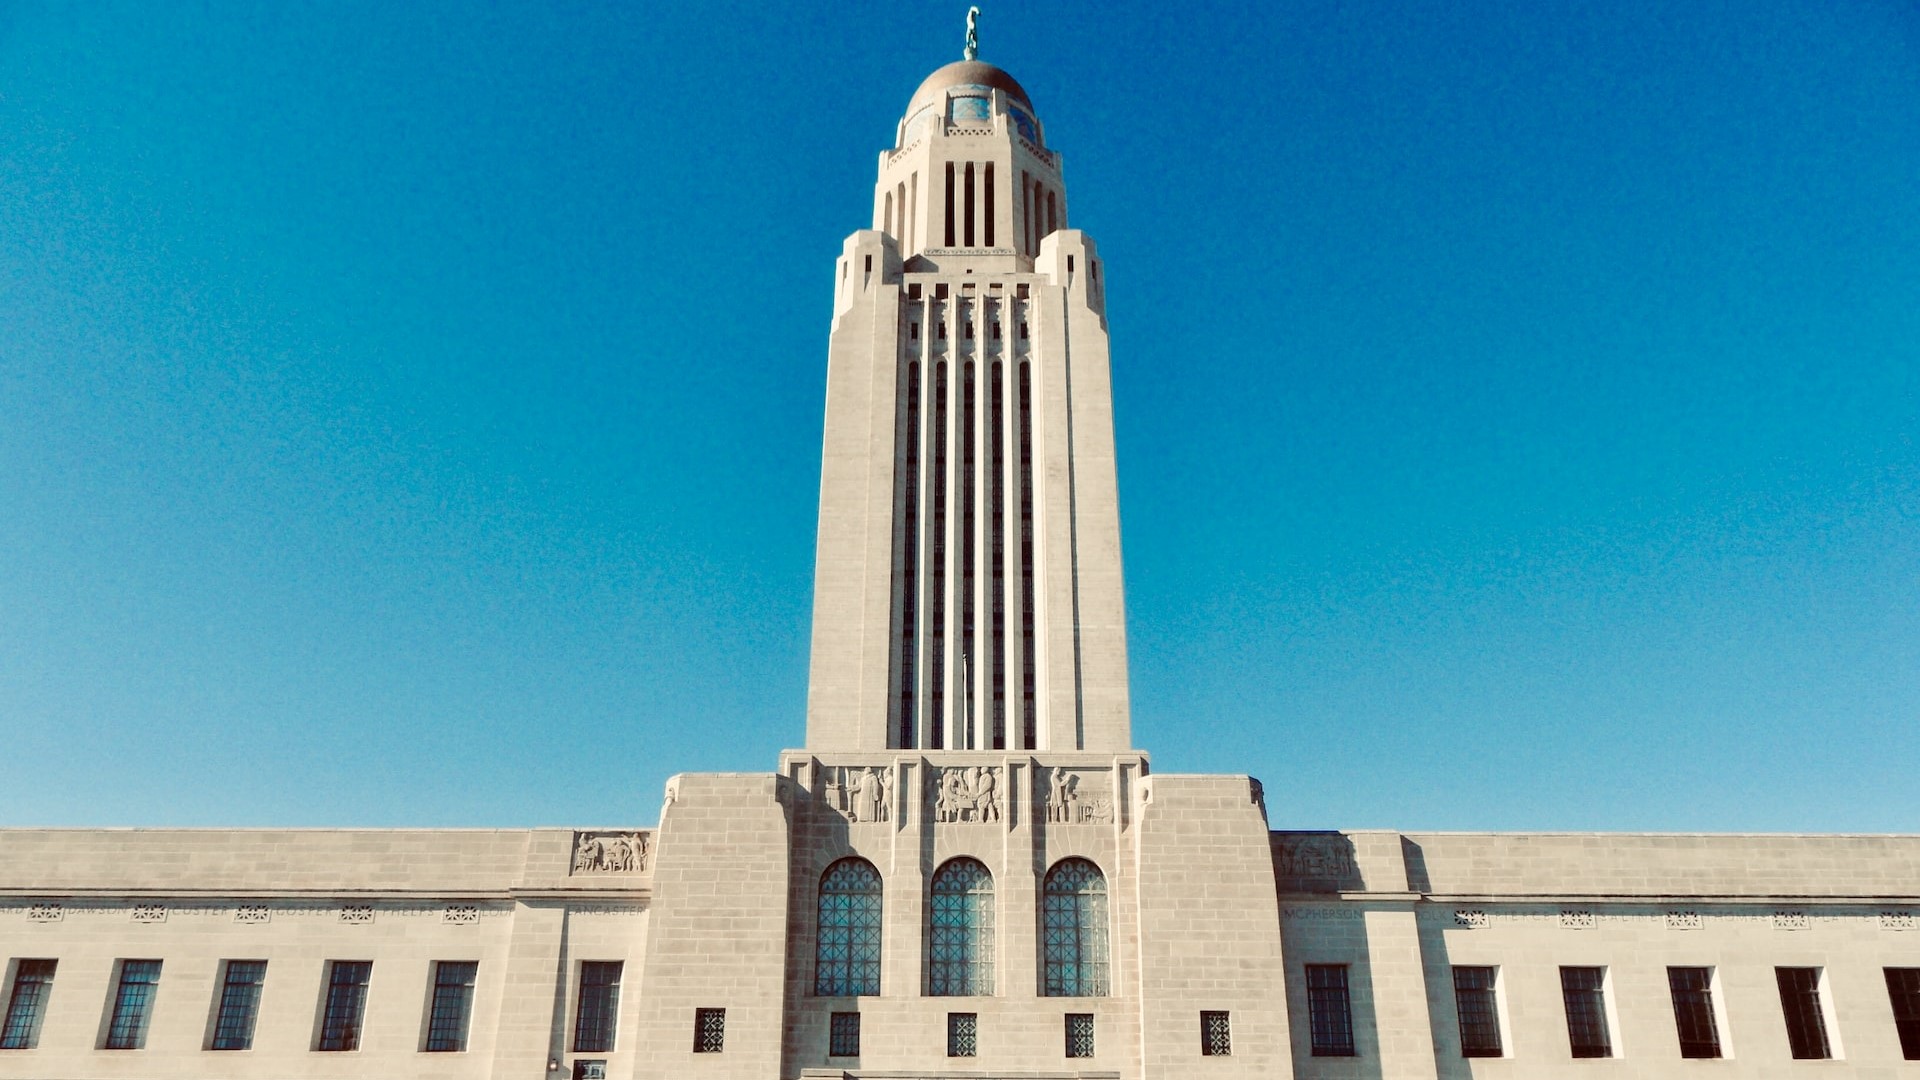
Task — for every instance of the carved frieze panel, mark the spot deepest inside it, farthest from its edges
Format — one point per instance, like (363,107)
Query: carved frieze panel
(1073,800)
(859,793)
(609,852)
(968,793)
(1315,862)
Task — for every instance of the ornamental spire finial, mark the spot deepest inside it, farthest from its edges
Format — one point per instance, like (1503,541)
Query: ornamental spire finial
(973,35)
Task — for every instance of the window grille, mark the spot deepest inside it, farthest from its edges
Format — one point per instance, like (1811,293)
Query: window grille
(452,1005)
(1903,989)
(1800,1001)
(963,1034)
(709,1031)
(1582,991)
(127,1029)
(598,1012)
(1692,989)
(1329,1010)
(239,1005)
(960,931)
(346,1004)
(847,952)
(32,979)
(1074,911)
(1079,1035)
(1473,997)
(843,1035)
(1216,1034)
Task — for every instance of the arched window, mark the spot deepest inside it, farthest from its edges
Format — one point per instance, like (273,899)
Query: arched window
(960,930)
(1076,930)
(847,955)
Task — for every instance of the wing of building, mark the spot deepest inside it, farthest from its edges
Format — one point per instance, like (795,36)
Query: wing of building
(969,871)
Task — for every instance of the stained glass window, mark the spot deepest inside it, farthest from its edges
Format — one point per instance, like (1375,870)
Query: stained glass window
(1075,916)
(960,930)
(847,955)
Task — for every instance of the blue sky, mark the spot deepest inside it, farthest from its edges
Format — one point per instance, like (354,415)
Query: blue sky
(409,413)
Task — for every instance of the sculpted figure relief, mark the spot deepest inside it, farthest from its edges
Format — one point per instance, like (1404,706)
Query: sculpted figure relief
(969,793)
(1066,806)
(609,853)
(860,793)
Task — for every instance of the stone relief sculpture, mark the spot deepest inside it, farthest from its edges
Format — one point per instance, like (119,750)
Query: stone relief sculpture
(860,794)
(609,853)
(1067,806)
(967,793)
(1326,856)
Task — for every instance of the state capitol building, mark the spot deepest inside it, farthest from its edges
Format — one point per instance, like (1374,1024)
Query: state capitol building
(969,871)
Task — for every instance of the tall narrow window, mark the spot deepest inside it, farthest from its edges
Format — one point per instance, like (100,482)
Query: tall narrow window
(968,499)
(960,931)
(452,1005)
(597,1015)
(132,1004)
(1329,1010)
(1216,1034)
(1029,698)
(1053,213)
(987,207)
(949,204)
(1903,990)
(967,239)
(937,568)
(1692,989)
(847,951)
(997,551)
(239,1005)
(1075,914)
(1025,208)
(27,1004)
(1800,1002)
(913,208)
(886,212)
(900,209)
(346,1004)
(1473,998)
(1582,991)
(910,561)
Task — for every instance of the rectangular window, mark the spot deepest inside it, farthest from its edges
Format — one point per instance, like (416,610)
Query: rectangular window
(843,1035)
(1473,998)
(595,1016)
(963,1034)
(1329,1010)
(132,1004)
(1079,1035)
(1903,987)
(1216,1034)
(346,1004)
(1582,991)
(452,1005)
(1692,989)
(239,1005)
(26,1004)
(1800,1001)
(709,1031)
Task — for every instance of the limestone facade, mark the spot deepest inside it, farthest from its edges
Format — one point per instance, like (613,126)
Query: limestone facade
(968,872)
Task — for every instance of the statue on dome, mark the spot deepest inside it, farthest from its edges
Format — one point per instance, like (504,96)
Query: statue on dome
(973,35)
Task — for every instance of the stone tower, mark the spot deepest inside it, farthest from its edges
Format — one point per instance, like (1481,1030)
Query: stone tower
(967,593)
